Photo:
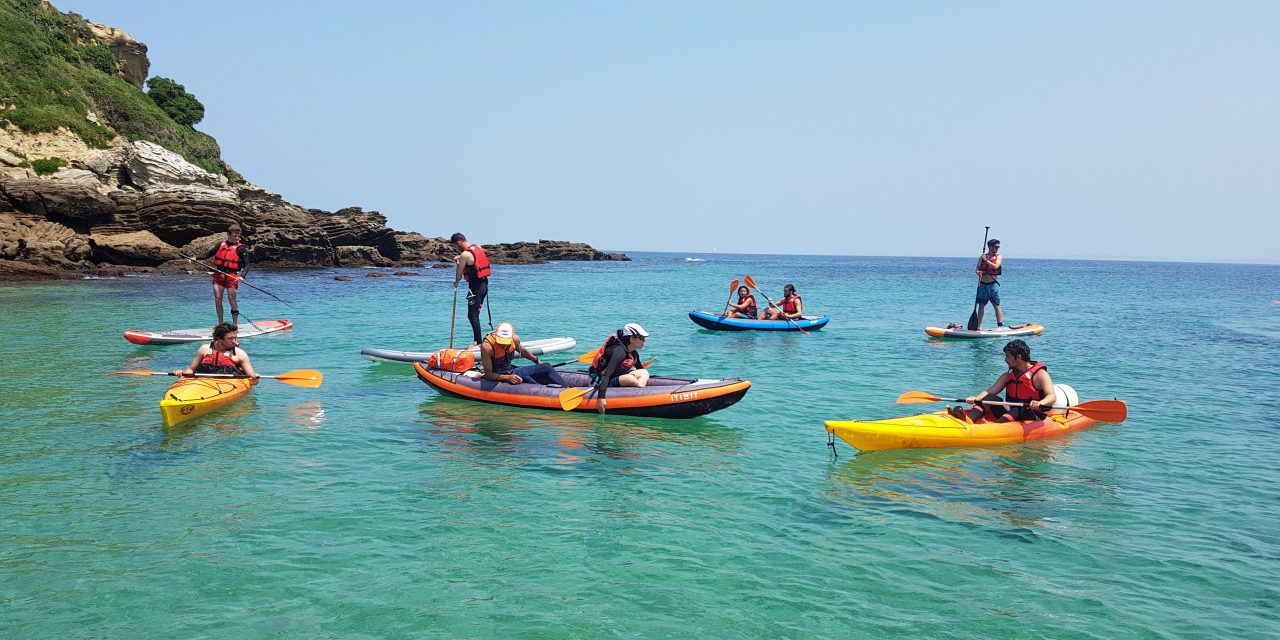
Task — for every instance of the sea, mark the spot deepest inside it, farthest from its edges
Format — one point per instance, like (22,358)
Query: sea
(373,507)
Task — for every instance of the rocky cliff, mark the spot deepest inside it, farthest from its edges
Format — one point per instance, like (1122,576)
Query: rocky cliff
(67,205)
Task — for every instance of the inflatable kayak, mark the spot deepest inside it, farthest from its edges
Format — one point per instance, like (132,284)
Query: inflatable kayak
(664,397)
(1011,331)
(930,430)
(192,397)
(718,322)
(536,347)
(204,334)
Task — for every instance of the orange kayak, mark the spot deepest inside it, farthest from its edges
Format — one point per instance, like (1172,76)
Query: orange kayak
(930,430)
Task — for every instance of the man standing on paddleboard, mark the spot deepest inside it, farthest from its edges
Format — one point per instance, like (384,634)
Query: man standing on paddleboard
(473,265)
(989,269)
(228,257)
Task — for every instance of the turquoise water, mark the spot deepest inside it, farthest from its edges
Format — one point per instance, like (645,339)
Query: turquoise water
(372,507)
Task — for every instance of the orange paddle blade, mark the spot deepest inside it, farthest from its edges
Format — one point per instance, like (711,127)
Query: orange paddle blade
(1103,410)
(733,286)
(589,357)
(306,378)
(751,282)
(914,397)
(571,398)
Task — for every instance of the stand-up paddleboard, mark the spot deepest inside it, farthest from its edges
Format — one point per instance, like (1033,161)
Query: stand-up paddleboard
(718,322)
(204,334)
(536,347)
(1010,331)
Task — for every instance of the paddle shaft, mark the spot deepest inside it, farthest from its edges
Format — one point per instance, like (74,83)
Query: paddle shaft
(453,315)
(973,317)
(241,278)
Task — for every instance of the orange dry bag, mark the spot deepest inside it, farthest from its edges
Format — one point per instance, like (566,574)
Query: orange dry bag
(455,360)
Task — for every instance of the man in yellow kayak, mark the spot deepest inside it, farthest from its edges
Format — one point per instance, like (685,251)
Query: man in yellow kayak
(1026,381)
(222,355)
(500,347)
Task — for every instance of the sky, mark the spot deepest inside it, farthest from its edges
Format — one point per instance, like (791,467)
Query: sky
(1145,130)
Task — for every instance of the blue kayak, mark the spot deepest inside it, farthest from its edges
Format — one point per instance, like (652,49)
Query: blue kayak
(717,322)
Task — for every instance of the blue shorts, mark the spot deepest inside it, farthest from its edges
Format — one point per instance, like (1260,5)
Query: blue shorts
(989,292)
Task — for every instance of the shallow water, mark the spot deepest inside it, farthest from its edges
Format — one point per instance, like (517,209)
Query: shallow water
(372,507)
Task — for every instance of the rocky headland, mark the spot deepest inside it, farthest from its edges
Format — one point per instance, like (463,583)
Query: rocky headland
(72,205)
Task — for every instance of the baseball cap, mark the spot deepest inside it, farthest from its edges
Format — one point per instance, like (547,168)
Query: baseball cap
(504,333)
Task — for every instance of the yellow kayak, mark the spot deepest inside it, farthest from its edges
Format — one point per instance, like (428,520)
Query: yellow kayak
(191,397)
(930,430)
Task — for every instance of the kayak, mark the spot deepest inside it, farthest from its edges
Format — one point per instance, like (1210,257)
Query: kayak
(1011,331)
(664,397)
(717,322)
(536,347)
(191,397)
(930,430)
(204,334)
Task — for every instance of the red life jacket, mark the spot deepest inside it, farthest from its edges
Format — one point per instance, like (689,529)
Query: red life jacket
(1022,388)
(625,366)
(219,362)
(227,258)
(481,268)
(751,310)
(789,304)
(987,270)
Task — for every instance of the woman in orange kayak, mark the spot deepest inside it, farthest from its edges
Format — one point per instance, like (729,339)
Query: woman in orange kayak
(792,307)
(745,307)
(1026,381)
(618,364)
(222,355)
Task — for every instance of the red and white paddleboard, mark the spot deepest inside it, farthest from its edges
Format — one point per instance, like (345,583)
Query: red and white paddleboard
(204,334)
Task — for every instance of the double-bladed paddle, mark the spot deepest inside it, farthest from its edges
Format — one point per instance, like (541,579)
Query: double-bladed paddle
(1101,410)
(308,378)
(973,317)
(751,282)
(733,286)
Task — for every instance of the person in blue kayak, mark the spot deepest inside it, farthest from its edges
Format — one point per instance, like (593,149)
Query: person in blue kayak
(1026,381)
(229,258)
(745,307)
(500,347)
(618,363)
(790,307)
(989,268)
(223,355)
(473,264)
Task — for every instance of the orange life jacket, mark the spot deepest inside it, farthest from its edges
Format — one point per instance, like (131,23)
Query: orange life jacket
(1022,388)
(481,267)
(227,257)
(986,269)
(502,354)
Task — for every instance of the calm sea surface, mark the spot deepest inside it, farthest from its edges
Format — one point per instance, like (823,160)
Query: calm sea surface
(372,507)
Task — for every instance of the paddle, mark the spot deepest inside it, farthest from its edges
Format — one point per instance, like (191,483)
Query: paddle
(733,287)
(751,282)
(973,317)
(1102,410)
(238,277)
(308,378)
(571,398)
(453,315)
(590,356)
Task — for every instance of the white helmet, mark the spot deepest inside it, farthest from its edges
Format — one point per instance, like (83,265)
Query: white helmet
(634,329)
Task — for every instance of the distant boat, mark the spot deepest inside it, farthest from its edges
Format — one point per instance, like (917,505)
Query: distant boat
(694,260)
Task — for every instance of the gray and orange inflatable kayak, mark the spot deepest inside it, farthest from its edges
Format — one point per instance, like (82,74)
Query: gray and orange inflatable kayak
(664,397)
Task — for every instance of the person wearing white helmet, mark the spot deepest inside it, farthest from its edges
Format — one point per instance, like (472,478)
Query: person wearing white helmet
(500,347)
(618,362)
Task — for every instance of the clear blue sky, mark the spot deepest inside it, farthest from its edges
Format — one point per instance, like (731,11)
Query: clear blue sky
(1090,129)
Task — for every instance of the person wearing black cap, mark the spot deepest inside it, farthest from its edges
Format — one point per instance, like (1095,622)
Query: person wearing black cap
(989,267)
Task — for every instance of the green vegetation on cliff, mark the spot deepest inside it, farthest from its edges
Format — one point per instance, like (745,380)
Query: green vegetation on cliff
(52,75)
